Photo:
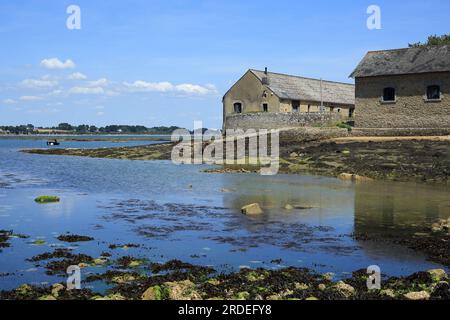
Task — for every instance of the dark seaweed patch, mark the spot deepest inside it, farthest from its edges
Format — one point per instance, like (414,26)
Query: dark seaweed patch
(74,238)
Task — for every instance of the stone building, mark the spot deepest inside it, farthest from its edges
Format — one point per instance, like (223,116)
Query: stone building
(404,88)
(273,95)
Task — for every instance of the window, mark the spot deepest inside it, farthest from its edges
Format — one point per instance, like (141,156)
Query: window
(265,107)
(351,112)
(238,107)
(433,92)
(309,108)
(295,106)
(331,109)
(389,95)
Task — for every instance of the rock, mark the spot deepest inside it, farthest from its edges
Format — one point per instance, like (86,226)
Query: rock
(274,297)
(252,209)
(419,295)
(134,264)
(346,176)
(153,293)
(358,178)
(388,292)
(24,290)
(100,261)
(322,287)
(123,279)
(224,190)
(242,295)
(301,286)
(328,276)
(182,290)
(441,226)
(293,155)
(441,291)
(346,152)
(83,265)
(286,293)
(47,298)
(47,199)
(345,289)
(437,274)
(214,282)
(39,242)
(254,276)
(353,177)
(288,207)
(56,289)
(116,296)
(311,299)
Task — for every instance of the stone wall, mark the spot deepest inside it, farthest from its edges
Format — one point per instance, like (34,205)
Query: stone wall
(399,132)
(279,120)
(411,110)
(310,134)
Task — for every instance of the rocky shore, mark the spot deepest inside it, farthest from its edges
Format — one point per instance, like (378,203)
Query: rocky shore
(136,279)
(418,160)
(160,151)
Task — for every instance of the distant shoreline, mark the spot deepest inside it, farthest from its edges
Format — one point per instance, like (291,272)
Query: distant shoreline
(90,137)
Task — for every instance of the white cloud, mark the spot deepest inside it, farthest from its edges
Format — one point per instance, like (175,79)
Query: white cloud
(9,101)
(192,89)
(144,86)
(77,76)
(55,93)
(38,83)
(86,90)
(30,98)
(99,83)
(187,88)
(55,63)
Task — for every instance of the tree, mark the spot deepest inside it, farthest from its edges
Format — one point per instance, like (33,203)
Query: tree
(433,41)
(65,126)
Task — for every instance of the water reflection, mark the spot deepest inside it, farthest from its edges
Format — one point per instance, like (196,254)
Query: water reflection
(383,207)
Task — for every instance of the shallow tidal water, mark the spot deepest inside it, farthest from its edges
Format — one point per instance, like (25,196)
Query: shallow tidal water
(180,212)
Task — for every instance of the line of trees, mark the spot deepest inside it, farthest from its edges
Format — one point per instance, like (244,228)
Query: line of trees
(89,129)
(434,40)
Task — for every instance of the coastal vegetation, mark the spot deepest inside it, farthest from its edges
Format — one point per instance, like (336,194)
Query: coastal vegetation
(47,199)
(66,128)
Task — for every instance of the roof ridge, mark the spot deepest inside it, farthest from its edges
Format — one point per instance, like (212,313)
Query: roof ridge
(410,48)
(301,77)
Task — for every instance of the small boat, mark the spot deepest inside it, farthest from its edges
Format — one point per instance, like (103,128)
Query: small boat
(53,143)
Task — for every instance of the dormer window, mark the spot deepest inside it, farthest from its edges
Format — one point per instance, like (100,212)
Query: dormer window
(389,95)
(434,92)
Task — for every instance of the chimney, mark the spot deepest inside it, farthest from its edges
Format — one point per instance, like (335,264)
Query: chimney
(265,79)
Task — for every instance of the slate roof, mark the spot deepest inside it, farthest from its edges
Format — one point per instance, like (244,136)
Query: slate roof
(404,61)
(307,89)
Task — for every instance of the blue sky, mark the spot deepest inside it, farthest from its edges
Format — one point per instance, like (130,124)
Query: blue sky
(169,62)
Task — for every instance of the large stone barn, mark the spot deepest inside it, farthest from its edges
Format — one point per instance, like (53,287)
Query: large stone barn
(262,99)
(404,88)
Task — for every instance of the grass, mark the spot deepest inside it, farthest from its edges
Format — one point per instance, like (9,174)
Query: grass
(46,199)
(343,125)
